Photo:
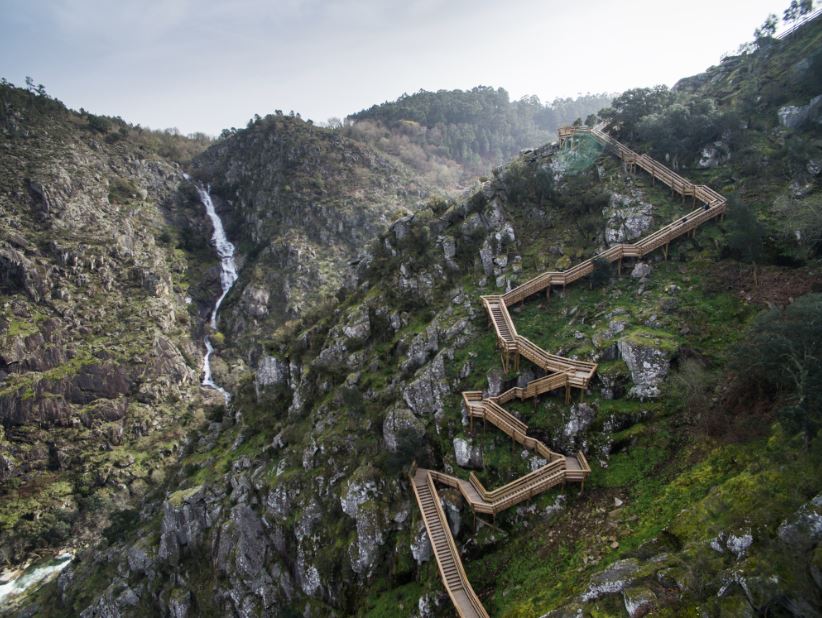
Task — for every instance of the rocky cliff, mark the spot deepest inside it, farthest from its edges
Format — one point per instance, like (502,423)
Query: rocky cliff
(98,364)
(301,202)
(294,500)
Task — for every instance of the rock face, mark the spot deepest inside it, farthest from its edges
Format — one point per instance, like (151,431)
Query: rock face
(467,454)
(714,155)
(804,529)
(186,518)
(424,395)
(242,554)
(736,544)
(98,346)
(401,429)
(628,217)
(271,372)
(361,502)
(255,301)
(648,366)
(614,579)
(421,548)
(793,117)
(370,537)
(579,419)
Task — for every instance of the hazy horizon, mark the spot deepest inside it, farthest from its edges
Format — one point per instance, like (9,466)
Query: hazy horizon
(206,66)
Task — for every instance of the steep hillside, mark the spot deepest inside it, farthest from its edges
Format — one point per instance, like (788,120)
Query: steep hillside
(702,429)
(108,276)
(453,136)
(98,365)
(300,202)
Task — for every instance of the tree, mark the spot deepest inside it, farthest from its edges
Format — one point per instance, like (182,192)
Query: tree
(783,349)
(684,127)
(745,234)
(767,29)
(796,10)
(628,109)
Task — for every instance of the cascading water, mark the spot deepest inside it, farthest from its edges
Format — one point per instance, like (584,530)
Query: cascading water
(228,275)
(32,577)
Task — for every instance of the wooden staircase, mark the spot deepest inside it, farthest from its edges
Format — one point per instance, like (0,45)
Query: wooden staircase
(563,373)
(453,575)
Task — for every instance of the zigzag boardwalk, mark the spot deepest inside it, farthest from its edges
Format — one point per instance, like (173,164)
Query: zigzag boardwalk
(562,373)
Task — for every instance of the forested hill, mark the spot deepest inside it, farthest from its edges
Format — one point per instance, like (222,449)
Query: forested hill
(451,135)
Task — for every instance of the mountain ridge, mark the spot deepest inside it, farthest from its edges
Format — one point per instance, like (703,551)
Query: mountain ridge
(703,489)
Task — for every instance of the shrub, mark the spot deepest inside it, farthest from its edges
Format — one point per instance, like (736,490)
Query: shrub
(99,124)
(783,350)
(122,522)
(121,191)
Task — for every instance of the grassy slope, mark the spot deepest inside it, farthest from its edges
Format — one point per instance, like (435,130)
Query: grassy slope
(684,475)
(687,466)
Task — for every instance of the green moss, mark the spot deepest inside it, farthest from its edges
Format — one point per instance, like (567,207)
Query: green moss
(613,368)
(629,468)
(400,600)
(652,338)
(177,498)
(21,328)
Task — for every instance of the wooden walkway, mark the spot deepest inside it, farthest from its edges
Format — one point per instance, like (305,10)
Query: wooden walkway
(563,373)
(448,559)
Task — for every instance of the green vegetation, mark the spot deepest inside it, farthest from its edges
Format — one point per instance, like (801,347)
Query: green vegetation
(782,351)
(477,128)
(732,447)
(39,107)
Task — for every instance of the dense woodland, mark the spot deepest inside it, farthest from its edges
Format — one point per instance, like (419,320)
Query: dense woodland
(477,128)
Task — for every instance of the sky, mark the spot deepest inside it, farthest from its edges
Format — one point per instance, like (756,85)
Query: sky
(207,65)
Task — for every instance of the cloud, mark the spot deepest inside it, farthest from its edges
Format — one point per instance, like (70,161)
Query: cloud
(209,64)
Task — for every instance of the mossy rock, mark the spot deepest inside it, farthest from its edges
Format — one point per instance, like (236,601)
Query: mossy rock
(177,498)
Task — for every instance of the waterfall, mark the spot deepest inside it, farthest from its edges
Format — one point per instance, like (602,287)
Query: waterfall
(228,275)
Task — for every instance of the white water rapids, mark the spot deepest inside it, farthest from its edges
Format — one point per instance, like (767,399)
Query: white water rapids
(31,578)
(228,275)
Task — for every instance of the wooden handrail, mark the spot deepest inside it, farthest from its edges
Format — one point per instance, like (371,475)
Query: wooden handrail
(498,494)
(534,388)
(468,590)
(501,412)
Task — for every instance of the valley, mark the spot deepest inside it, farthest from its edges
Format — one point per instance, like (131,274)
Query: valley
(433,357)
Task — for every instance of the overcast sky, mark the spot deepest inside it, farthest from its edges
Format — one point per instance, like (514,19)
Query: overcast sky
(205,65)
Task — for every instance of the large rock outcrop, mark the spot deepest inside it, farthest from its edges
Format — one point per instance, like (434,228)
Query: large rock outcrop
(628,217)
(648,361)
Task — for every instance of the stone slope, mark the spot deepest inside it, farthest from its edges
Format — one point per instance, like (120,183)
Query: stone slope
(98,363)
(301,202)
